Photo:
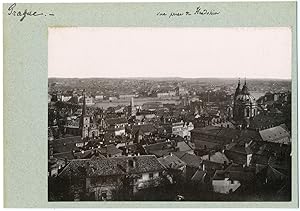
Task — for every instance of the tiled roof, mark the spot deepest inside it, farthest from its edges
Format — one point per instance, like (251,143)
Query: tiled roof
(114,121)
(171,161)
(183,146)
(217,157)
(158,146)
(109,150)
(66,144)
(189,159)
(211,166)
(236,157)
(112,166)
(145,128)
(275,134)
(265,120)
(199,175)
(83,154)
(241,149)
(201,144)
(226,133)
(241,176)
(218,132)
(160,153)
(68,140)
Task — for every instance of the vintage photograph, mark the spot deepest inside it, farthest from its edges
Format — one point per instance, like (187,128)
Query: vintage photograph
(169,114)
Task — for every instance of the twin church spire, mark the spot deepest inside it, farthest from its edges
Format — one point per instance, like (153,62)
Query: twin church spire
(244,90)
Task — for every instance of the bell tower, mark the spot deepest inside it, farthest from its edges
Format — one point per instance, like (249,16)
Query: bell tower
(85,120)
(235,106)
(132,108)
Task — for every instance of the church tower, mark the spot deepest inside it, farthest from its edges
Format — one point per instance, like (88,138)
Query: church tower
(132,108)
(237,90)
(85,120)
(245,106)
(237,93)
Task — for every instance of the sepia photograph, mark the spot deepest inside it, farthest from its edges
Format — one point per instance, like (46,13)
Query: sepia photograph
(169,114)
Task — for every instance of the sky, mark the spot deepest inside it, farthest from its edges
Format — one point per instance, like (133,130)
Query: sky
(85,52)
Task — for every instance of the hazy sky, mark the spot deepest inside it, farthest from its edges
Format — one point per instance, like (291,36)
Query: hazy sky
(169,52)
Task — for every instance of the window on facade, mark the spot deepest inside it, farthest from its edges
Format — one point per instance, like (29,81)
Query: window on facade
(131,163)
(248,112)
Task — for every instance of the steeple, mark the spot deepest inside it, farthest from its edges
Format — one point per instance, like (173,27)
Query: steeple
(238,89)
(245,88)
(132,108)
(83,104)
(84,120)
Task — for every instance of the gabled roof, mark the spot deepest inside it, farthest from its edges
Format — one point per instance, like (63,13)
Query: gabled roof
(236,157)
(199,175)
(216,157)
(109,150)
(183,146)
(241,149)
(111,166)
(171,161)
(161,153)
(275,134)
(211,166)
(241,176)
(144,128)
(190,160)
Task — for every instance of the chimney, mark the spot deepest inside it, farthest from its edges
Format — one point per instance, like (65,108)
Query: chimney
(203,167)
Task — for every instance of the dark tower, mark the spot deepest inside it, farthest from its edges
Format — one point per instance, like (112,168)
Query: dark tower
(85,120)
(237,93)
(237,90)
(132,108)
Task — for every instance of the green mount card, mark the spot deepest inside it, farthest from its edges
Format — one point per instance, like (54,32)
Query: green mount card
(145,108)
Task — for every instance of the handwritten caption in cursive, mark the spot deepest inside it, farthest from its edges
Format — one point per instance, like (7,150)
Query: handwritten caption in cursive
(22,14)
(197,11)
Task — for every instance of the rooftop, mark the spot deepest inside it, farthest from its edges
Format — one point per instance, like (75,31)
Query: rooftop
(111,166)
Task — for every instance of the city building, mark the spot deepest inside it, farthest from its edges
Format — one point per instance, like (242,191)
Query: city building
(245,106)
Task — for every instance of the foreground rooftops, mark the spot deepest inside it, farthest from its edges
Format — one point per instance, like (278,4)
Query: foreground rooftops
(112,166)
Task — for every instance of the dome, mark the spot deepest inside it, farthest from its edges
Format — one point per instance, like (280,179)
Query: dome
(246,99)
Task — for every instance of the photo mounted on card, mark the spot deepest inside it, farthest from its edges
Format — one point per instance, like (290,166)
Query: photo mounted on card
(147,104)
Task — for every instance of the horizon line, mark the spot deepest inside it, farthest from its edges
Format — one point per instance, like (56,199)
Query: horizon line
(165,77)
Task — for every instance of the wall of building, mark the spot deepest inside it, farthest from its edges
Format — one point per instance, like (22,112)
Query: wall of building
(98,187)
(145,181)
(225,186)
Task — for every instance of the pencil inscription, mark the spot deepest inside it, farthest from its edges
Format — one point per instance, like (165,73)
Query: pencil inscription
(197,11)
(22,14)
